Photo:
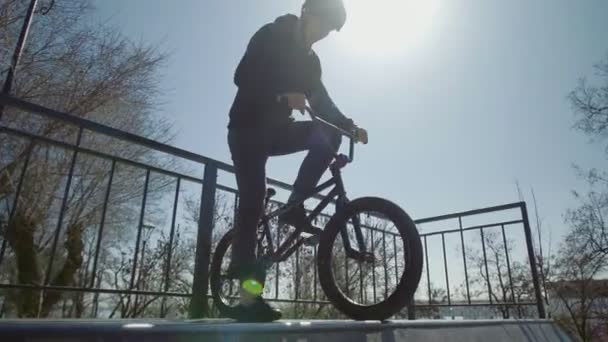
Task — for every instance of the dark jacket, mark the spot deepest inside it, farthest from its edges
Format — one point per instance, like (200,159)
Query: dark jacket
(275,64)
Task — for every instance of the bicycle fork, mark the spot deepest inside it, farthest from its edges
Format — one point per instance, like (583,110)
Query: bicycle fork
(361,254)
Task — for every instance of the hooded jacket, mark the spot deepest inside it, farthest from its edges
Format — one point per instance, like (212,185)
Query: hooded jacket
(274,64)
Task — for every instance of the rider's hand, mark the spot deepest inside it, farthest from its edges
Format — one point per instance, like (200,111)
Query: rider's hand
(296,101)
(361,135)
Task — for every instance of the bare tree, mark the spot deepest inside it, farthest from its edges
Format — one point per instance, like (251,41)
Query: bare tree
(544,260)
(580,298)
(590,102)
(504,282)
(577,287)
(88,71)
(588,223)
(152,273)
(437,296)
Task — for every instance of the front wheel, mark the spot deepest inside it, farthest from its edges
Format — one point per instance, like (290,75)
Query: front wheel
(380,286)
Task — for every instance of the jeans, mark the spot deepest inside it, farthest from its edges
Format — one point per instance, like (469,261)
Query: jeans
(250,148)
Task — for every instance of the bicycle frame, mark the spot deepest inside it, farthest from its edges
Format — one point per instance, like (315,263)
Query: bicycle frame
(337,194)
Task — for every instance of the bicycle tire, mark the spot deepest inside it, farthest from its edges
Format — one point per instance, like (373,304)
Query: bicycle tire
(215,280)
(409,280)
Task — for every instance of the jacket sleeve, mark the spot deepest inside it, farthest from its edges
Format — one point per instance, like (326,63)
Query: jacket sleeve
(255,76)
(323,105)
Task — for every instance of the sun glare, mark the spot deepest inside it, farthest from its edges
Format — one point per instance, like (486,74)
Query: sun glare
(387,27)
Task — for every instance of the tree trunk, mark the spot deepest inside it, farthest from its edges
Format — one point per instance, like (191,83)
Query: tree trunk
(73,262)
(20,236)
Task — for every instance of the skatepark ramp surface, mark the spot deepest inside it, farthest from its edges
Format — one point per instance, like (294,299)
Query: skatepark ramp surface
(283,331)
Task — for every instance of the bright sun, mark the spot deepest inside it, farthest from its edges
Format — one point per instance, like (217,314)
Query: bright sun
(387,27)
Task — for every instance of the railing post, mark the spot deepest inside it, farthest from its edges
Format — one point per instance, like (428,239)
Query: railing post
(532,257)
(62,211)
(198,304)
(411,310)
(13,209)
(27,21)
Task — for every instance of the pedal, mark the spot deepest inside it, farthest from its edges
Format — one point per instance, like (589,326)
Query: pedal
(315,232)
(311,241)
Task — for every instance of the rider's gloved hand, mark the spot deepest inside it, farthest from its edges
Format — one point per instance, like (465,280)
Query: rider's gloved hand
(360,135)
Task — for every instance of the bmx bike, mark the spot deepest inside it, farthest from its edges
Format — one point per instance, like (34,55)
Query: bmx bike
(354,239)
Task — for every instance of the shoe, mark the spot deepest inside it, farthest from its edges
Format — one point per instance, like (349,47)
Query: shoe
(259,311)
(295,217)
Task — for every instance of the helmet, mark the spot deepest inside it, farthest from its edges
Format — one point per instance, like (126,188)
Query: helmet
(332,12)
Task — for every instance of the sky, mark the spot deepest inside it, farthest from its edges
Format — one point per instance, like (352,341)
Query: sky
(461,98)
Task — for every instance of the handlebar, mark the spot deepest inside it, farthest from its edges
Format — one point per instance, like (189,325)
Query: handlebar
(350,135)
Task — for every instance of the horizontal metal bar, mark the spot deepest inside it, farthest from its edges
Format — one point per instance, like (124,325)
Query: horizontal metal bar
(125,136)
(227,189)
(475,304)
(93,290)
(281,300)
(483,226)
(85,150)
(110,131)
(470,213)
(431,233)
(299,301)
(492,225)
(177,294)
(379,230)
(498,224)
(155,145)
(120,159)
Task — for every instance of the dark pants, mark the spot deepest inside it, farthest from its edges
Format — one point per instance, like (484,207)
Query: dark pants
(250,149)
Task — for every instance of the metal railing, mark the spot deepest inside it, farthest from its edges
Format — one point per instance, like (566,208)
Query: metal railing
(209,188)
(533,297)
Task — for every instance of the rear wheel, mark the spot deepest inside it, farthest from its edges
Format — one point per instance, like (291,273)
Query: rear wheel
(224,289)
(381,286)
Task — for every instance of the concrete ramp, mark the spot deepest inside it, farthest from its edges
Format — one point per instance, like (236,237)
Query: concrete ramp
(283,331)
